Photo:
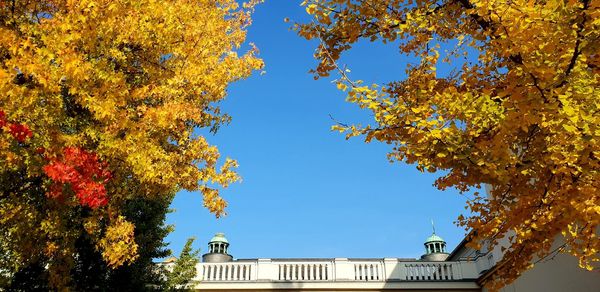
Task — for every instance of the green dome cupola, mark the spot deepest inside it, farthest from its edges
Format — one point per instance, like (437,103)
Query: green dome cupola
(435,244)
(435,247)
(218,244)
(218,250)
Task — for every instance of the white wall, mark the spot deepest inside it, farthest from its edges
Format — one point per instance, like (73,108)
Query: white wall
(560,274)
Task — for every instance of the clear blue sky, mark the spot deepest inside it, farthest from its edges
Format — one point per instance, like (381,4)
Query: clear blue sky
(306,191)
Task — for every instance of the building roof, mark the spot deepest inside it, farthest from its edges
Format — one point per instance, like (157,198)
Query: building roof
(433,238)
(219,237)
(170,260)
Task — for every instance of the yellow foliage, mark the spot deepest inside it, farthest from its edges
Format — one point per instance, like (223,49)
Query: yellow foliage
(118,245)
(520,113)
(129,81)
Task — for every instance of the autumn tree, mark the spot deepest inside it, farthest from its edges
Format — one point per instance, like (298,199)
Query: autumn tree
(90,272)
(100,103)
(520,112)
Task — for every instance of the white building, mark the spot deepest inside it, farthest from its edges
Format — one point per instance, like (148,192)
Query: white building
(464,269)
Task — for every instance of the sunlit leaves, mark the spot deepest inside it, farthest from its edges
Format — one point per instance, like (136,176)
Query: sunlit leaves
(519,112)
(118,245)
(100,103)
(80,171)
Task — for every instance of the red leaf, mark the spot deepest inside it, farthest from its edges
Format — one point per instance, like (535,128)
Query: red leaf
(2,118)
(83,172)
(20,132)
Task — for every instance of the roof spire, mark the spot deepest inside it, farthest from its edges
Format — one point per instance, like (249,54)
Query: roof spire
(432,226)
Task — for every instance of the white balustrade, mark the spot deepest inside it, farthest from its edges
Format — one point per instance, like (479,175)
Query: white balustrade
(431,271)
(335,270)
(368,271)
(304,271)
(225,271)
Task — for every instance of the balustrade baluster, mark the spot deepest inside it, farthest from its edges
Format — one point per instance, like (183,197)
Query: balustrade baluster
(279,270)
(443,272)
(372,272)
(322,271)
(305,272)
(292,270)
(428,272)
(363,273)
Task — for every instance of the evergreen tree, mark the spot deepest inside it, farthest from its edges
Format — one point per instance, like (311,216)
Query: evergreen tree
(149,218)
(181,275)
(91,273)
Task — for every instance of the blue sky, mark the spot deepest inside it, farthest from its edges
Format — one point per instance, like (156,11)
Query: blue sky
(306,191)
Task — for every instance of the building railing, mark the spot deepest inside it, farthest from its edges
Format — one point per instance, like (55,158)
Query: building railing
(335,270)
(225,271)
(441,271)
(368,271)
(304,271)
